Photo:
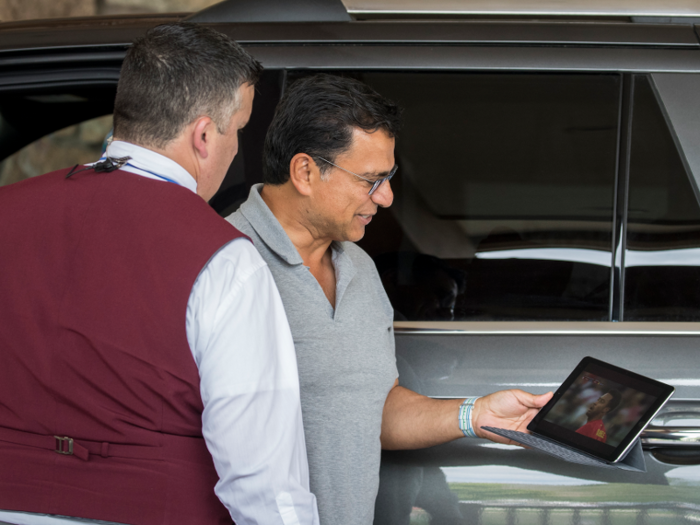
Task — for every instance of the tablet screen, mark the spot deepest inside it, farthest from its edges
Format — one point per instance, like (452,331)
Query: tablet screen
(601,409)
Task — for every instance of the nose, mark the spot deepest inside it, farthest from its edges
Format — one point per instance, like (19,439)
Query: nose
(383,196)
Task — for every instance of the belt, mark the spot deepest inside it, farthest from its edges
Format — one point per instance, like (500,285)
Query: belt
(82,449)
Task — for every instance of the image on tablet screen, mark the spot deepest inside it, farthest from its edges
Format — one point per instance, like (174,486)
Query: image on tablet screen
(599,409)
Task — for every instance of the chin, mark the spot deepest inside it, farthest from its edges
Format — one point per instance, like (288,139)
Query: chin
(355,236)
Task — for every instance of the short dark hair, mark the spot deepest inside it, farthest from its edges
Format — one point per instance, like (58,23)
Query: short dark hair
(174,74)
(615,398)
(317,115)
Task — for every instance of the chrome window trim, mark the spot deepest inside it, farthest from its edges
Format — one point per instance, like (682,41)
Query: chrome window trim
(543,328)
(606,8)
(431,58)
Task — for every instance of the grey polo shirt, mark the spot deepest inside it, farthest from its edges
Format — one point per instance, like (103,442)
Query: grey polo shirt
(346,363)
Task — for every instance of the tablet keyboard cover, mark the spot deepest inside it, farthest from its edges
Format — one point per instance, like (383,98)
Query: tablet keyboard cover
(634,460)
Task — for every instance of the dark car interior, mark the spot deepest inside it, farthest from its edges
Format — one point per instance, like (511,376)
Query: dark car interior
(522,227)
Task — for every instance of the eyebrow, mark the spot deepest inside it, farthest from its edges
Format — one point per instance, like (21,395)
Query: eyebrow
(376,175)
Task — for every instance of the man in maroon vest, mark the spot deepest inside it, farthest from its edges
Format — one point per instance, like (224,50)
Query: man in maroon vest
(147,363)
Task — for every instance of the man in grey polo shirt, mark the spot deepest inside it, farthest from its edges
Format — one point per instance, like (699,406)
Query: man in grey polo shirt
(328,157)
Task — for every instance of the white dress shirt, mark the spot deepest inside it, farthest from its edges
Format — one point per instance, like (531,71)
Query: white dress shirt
(240,339)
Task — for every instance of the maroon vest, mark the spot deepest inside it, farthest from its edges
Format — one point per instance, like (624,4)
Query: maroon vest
(95,275)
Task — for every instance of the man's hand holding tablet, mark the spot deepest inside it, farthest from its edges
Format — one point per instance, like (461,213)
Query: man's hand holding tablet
(509,409)
(595,417)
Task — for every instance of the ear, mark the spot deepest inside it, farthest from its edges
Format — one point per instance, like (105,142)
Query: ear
(201,135)
(302,171)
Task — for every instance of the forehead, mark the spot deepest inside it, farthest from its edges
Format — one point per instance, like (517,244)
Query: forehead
(376,146)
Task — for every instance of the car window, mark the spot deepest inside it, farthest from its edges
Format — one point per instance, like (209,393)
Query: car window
(31,145)
(504,197)
(662,259)
(50,127)
(77,144)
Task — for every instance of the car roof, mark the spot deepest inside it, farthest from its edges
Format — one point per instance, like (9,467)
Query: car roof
(250,21)
(110,32)
(80,31)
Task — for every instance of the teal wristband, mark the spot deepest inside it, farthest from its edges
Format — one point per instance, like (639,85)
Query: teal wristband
(465,417)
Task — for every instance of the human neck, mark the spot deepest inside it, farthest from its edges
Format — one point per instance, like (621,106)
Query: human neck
(286,205)
(176,151)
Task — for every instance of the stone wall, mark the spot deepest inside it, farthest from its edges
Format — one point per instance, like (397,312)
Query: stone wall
(27,9)
(151,6)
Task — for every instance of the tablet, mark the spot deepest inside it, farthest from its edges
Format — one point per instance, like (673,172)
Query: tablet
(601,410)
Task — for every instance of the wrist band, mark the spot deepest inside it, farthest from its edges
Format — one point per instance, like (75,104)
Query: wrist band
(465,417)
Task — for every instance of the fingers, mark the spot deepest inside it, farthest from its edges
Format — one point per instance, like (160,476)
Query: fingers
(532,400)
(512,409)
(542,399)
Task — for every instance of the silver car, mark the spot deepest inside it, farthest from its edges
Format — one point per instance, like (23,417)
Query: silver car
(547,207)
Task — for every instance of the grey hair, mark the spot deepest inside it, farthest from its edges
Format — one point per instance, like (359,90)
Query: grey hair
(175,74)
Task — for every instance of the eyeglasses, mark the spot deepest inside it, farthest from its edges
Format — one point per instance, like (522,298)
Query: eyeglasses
(375,183)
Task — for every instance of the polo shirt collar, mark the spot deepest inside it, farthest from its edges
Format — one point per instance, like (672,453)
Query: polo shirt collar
(268,227)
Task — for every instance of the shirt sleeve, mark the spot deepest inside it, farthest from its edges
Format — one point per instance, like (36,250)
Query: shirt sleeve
(243,347)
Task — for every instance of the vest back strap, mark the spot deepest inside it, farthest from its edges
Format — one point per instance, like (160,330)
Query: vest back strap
(82,449)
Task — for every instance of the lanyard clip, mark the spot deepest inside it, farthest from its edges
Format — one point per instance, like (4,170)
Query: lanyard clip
(110,164)
(104,166)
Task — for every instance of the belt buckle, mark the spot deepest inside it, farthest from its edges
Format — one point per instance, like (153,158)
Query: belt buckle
(64,445)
